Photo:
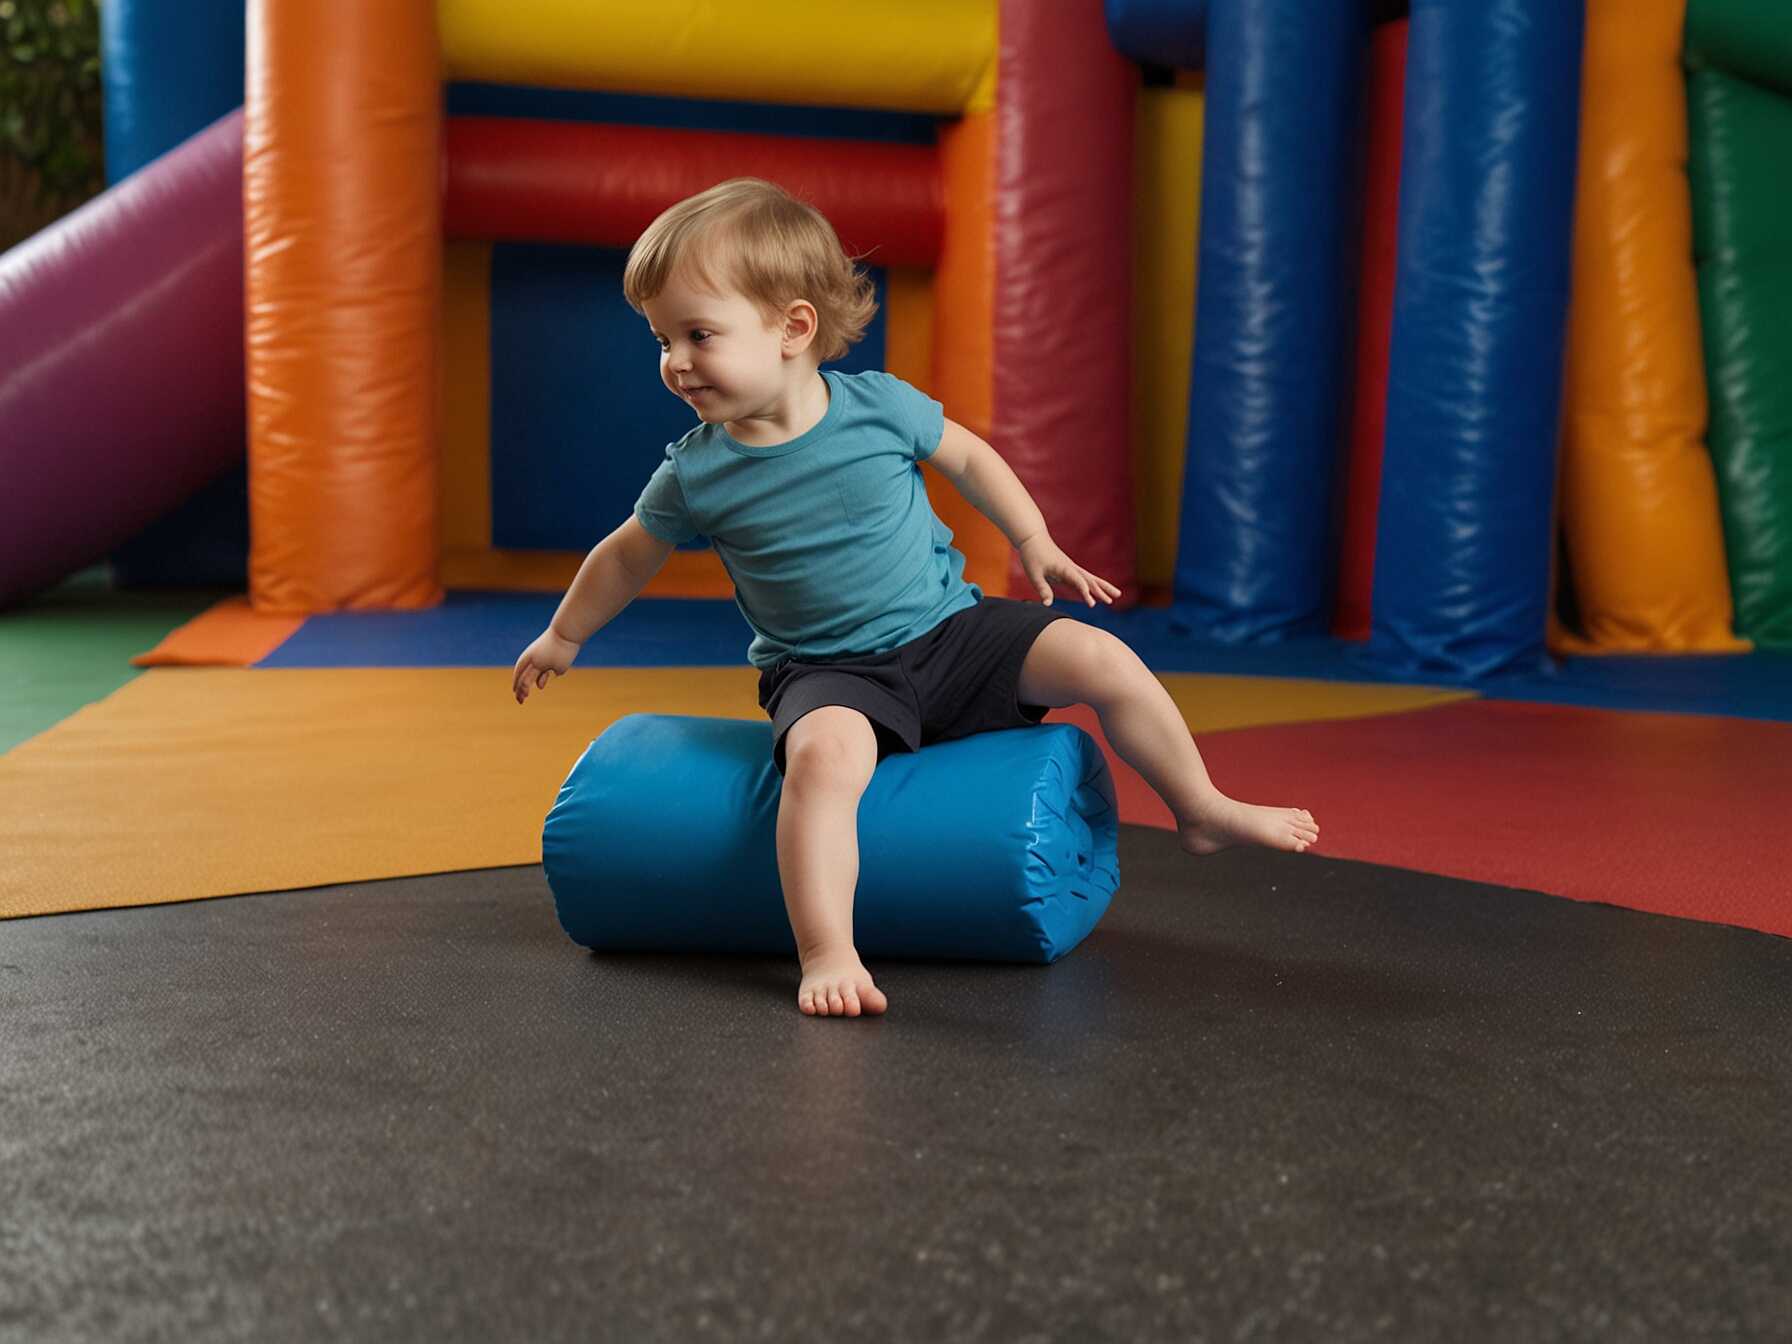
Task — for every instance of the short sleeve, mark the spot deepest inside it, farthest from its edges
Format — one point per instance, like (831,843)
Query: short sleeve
(925,415)
(661,508)
(920,418)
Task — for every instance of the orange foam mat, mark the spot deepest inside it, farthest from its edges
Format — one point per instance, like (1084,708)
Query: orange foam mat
(197,782)
(230,634)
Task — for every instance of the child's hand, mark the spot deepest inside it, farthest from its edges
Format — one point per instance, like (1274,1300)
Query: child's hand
(1045,563)
(549,653)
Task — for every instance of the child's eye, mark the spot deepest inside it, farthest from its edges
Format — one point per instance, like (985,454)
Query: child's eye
(700,335)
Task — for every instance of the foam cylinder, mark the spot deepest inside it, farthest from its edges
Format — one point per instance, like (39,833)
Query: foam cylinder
(996,847)
(342,223)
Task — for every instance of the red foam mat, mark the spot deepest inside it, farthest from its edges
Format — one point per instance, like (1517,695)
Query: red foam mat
(1677,814)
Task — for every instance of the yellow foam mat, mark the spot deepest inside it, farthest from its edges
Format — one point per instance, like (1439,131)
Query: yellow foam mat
(196,782)
(1212,704)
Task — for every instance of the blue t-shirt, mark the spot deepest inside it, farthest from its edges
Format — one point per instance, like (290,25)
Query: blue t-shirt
(829,538)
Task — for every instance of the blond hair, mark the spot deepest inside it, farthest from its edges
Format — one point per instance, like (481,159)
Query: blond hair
(752,235)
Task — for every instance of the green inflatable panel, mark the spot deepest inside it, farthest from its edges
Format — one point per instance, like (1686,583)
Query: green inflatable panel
(1742,241)
(1751,39)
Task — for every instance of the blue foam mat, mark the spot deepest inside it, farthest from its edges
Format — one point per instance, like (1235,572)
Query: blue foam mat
(491,629)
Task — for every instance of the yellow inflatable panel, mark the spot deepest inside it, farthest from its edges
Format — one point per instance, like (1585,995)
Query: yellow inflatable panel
(1167,218)
(1638,492)
(907,55)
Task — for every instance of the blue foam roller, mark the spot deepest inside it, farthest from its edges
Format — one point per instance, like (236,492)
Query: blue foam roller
(996,847)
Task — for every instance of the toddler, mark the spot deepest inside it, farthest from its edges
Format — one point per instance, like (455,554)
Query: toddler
(867,637)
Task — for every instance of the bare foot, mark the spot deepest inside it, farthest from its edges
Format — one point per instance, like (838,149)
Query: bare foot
(836,984)
(1228,822)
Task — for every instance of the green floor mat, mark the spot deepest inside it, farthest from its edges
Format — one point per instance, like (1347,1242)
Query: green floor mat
(73,645)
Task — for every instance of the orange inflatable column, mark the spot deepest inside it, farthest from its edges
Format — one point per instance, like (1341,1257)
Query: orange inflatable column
(343,250)
(964,299)
(1638,491)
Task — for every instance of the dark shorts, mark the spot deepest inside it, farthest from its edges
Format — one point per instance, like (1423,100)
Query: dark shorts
(961,677)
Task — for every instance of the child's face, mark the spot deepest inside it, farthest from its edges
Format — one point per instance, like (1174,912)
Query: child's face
(717,352)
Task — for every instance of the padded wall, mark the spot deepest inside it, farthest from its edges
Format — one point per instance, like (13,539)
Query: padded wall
(580,418)
(1475,364)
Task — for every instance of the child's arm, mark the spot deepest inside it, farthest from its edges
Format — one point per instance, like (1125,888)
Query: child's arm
(612,576)
(996,492)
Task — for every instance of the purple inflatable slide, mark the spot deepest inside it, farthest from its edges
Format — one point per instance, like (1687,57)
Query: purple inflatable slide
(121,360)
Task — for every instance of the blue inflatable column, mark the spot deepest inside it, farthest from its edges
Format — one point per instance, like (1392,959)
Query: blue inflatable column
(1160,32)
(168,69)
(1280,216)
(1462,554)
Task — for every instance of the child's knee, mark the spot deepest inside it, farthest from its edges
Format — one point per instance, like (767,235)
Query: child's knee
(833,748)
(1104,665)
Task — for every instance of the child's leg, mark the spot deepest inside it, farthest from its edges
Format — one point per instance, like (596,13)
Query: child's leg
(1072,663)
(829,755)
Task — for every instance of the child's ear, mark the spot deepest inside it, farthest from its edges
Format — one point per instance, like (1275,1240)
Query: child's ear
(800,324)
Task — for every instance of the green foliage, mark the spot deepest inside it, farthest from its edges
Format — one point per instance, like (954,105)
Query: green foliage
(51,154)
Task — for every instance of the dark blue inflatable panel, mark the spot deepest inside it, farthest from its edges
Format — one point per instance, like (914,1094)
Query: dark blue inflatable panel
(580,418)
(998,847)
(1280,203)
(1480,308)
(698,114)
(168,68)
(1160,32)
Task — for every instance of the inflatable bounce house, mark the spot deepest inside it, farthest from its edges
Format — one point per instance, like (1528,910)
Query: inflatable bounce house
(1415,352)
(1419,371)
